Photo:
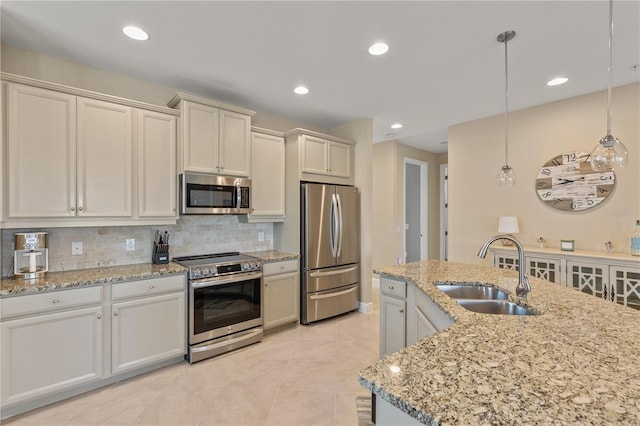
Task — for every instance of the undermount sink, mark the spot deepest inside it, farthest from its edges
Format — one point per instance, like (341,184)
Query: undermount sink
(483,292)
(500,307)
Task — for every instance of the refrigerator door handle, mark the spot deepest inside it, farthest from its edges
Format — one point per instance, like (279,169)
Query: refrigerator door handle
(330,295)
(339,249)
(326,274)
(332,225)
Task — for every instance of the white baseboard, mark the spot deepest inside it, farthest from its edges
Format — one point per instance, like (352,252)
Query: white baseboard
(365,308)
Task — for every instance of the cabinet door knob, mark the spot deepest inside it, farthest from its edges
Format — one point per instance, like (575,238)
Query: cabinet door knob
(390,287)
(56,301)
(99,316)
(401,310)
(73,209)
(266,285)
(151,287)
(80,208)
(115,313)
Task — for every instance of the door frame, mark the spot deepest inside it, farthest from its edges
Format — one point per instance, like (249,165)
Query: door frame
(424,207)
(444,211)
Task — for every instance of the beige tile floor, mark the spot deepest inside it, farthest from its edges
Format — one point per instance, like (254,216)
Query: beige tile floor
(305,375)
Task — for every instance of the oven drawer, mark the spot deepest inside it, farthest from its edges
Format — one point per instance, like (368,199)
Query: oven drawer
(275,268)
(148,287)
(55,300)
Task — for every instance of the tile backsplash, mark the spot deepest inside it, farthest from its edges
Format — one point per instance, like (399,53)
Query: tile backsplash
(105,246)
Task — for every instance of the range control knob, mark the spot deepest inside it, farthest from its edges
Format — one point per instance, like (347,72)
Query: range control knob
(245,266)
(196,273)
(212,271)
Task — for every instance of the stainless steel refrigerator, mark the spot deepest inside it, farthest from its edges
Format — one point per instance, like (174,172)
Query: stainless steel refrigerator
(330,248)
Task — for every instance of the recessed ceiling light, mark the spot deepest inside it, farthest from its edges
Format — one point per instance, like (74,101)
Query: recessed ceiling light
(396,126)
(301,90)
(135,33)
(556,81)
(378,49)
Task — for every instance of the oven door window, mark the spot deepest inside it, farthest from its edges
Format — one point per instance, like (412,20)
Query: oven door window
(225,304)
(212,196)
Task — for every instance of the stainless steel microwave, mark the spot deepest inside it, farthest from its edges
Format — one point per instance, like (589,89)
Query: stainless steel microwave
(211,194)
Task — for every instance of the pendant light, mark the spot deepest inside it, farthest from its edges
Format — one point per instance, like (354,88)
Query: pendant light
(610,153)
(506,176)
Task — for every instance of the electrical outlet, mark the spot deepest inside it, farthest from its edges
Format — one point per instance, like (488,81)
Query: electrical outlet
(76,248)
(260,236)
(130,244)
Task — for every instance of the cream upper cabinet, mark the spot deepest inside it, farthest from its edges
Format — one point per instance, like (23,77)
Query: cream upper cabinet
(41,152)
(79,158)
(213,137)
(234,144)
(339,155)
(318,157)
(105,148)
(156,164)
(267,177)
(314,155)
(326,157)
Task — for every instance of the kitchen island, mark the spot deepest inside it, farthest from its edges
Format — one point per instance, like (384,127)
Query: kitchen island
(574,363)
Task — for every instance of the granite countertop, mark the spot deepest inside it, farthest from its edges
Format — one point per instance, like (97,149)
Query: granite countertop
(86,277)
(575,363)
(271,256)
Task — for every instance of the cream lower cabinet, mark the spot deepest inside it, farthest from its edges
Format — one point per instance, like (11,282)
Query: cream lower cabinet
(148,322)
(55,343)
(393,316)
(407,315)
(281,293)
(267,177)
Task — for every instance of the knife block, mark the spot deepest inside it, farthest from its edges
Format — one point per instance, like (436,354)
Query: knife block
(160,253)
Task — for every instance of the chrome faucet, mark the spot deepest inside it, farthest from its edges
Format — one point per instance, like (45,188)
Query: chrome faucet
(523,287)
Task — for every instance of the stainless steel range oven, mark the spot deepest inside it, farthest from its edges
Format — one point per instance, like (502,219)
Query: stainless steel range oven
(225,303)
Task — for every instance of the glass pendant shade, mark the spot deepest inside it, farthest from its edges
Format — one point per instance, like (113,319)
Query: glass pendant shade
(506,176)
(609,154)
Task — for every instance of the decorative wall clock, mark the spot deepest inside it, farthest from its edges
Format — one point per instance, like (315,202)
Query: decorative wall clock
(567,182)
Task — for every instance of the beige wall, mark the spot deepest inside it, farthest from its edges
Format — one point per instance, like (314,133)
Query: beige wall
(388,199)
(476,153)
(361,131)
(41,67)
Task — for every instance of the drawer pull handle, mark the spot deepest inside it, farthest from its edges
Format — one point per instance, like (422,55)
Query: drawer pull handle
(56,301)
(151,287)
(390,287)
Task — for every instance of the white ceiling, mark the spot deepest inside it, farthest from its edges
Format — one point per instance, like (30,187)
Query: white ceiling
(444,65)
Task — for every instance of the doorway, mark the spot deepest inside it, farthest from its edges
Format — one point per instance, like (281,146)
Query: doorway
(415,210)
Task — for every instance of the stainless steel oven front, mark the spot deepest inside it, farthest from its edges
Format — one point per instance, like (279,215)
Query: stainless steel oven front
(225,313)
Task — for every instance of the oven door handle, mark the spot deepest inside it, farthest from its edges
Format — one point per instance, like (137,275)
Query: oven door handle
(236,278)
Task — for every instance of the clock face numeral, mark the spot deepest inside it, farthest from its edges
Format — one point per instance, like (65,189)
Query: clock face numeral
(567,182)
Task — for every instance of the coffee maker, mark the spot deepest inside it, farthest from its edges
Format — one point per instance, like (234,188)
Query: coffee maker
(31,256)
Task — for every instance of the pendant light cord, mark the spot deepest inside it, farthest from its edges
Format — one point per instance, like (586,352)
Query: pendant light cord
(610,60)
(506,103)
